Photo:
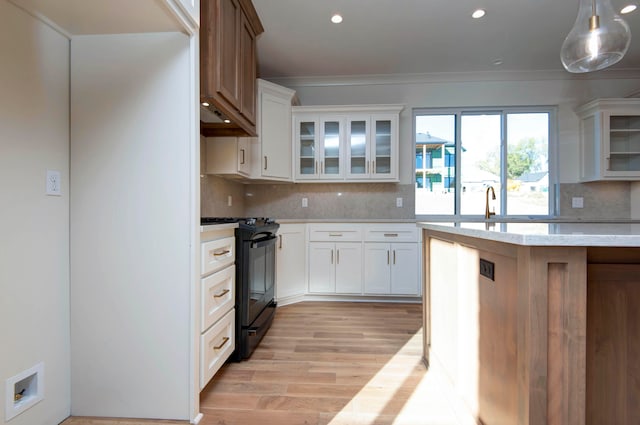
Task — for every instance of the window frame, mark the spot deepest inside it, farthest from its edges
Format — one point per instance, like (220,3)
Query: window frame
(553,193)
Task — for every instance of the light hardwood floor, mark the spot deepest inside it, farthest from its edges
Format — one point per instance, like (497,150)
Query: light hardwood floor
(331,363)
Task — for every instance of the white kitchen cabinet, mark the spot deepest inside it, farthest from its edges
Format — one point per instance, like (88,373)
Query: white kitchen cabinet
(335,267)
(291,262)
(335,258)
(216,345)
(272,150)
(319,147)
(217,299)
(346,143)
(391,269)
(372,147)
(228,156)
(391,259)
(610,139)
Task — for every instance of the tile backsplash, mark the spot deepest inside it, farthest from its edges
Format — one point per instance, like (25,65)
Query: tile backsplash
(330,201)
(214,197)
(602,200)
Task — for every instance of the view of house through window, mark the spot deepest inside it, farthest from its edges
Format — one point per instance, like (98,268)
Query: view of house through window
(461,154)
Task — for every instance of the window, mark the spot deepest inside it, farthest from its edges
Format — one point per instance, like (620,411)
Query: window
(460,153)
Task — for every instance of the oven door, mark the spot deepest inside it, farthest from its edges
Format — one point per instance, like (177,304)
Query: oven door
(261,275)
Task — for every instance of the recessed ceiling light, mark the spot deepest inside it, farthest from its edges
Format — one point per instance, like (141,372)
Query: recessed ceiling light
(628,8)
(497,62)
(478,13)
(205,103)
(336,19)
(227,121)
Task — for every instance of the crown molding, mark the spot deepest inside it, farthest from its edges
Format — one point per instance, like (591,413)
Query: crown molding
(451,77)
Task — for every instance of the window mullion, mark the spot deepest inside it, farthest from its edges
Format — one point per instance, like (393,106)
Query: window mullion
(504,149)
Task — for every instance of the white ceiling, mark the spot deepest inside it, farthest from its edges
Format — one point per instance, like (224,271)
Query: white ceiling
(382,37)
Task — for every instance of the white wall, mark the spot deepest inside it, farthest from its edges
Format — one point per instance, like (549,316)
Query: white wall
(34,228)
(453,91)
(131,221)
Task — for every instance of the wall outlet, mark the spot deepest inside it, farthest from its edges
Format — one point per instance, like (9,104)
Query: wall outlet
(53,183)
(399,202)
(305,202)
(229,201)
(577,202)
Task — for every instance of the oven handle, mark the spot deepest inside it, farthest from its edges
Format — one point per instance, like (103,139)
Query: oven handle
(262,242)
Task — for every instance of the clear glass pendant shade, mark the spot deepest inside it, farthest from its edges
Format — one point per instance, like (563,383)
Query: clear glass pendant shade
(597,40)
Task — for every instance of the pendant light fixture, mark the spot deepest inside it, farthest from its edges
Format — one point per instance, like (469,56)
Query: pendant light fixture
(599,38)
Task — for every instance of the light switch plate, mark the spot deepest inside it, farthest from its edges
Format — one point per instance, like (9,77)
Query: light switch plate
(399,202)
(305,202)
(53,183)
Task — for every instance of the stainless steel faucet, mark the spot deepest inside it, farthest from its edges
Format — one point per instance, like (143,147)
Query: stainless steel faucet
(487,213)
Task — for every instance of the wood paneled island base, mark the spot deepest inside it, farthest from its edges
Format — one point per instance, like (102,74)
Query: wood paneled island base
(553,338)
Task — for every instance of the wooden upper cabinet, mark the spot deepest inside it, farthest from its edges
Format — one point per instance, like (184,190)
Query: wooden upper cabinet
(248,65)
(228,63)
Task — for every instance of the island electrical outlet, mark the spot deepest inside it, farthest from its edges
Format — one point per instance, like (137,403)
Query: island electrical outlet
(487,269)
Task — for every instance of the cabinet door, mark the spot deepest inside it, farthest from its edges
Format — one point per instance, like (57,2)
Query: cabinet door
(377,262)
(331,141)
(322,267)
(384,146)
(348,268)
(228,46)
(404,269)
(247,64)
(291,261)
(306,141)
(357,139)
(275,136)
(621,144)
(243,156)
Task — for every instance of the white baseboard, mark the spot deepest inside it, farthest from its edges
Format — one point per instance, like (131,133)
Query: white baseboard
(293,299)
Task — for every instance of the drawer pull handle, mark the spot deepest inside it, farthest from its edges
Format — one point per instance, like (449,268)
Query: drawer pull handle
(390,235)
(224,341)
(220,254)
(221,294)
(335,234)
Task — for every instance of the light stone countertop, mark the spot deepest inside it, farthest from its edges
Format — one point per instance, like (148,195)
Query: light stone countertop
(213,227)
(346,220)
(551,233)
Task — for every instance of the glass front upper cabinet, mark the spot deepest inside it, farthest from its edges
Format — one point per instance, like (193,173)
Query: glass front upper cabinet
(330,161)
(358,158)
(306,140)
(382,147)
(610,139)
(346,143)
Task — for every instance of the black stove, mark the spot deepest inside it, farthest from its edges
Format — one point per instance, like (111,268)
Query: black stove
(255,279)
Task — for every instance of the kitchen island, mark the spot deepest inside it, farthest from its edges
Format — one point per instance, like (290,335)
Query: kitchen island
(536,323)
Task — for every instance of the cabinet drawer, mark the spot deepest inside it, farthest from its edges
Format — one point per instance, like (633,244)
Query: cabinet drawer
(391,233)
(216,345)
(218,254)
(335,232)
(217,296)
